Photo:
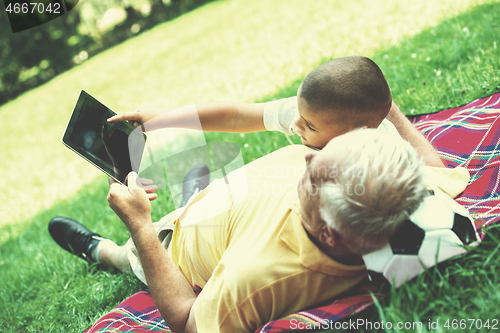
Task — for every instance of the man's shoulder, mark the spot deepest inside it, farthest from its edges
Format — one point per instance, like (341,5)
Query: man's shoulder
(288,153)
(289,160)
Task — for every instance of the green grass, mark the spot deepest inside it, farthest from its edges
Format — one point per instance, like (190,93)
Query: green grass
(462,288)
(447,65)
(251,54)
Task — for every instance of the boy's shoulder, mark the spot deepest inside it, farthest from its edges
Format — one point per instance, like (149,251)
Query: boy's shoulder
(279,115)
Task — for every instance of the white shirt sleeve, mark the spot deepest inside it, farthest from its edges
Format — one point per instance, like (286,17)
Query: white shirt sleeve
(279,115)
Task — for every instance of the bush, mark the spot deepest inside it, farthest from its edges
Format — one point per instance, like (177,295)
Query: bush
(31,57)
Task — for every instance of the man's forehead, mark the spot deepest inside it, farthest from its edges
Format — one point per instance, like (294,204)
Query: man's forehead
(320,166)
(332,145)
(324,160)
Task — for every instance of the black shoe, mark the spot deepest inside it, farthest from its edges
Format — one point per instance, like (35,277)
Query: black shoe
(74,237)
(197,178)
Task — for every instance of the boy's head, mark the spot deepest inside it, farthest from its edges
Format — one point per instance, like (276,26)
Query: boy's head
(339,96)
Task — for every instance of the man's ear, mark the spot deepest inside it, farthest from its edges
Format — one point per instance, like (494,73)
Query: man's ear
(328,236)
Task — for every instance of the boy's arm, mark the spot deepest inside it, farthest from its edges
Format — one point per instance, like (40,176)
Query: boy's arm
(171,291)
(229,117)
(412,135)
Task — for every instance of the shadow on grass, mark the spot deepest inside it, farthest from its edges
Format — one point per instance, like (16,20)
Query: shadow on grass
(444,66)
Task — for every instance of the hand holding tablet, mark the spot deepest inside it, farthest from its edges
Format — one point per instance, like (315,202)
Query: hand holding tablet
(115,148)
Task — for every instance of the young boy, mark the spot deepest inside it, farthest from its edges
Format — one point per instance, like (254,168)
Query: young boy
(336,97)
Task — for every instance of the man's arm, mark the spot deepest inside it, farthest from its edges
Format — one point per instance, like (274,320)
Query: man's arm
(231,117)
(171,291)
(412,135)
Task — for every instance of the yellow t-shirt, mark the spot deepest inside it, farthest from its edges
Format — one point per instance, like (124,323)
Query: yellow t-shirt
(451,181)
(251,255)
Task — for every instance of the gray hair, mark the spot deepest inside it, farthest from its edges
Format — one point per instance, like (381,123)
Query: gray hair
(376,185)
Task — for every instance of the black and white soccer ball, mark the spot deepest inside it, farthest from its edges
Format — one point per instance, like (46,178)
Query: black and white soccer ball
(436,231)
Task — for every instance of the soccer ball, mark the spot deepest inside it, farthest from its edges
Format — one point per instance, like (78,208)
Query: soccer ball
(436,231)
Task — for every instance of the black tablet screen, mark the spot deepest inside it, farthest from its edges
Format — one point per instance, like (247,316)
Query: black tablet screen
(116,148)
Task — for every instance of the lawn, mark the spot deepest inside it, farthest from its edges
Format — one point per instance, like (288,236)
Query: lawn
(435,55)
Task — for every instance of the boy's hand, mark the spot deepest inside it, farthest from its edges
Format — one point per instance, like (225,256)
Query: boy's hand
(131,203)
(140,115)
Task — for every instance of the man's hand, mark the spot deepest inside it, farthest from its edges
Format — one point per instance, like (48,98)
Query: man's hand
(171,291)
(146,184)
(140,115)
(131,203)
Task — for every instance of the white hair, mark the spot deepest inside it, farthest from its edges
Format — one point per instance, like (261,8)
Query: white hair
(372,189)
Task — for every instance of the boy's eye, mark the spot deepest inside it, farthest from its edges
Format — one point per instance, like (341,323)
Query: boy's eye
(309,126)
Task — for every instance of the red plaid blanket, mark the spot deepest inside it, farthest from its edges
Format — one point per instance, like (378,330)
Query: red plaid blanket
(138,313)
(467,136)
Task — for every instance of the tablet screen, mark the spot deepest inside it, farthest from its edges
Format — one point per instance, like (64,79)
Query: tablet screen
(115,148)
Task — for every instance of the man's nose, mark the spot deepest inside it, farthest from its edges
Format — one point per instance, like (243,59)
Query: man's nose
(309,156)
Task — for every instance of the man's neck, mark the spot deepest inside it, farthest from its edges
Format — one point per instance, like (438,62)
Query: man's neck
(338,253)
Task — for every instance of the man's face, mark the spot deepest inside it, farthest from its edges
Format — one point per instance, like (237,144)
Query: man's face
(316,173)
(315,127)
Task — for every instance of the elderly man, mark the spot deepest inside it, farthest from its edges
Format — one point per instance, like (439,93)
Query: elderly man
(293,239)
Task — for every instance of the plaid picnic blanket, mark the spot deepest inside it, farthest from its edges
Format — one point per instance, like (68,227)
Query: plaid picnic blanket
(467,136)
(138,313)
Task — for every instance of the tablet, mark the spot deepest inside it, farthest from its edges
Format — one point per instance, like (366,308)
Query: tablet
(114,148)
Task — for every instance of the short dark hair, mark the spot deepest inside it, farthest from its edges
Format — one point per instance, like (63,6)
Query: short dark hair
(350,87)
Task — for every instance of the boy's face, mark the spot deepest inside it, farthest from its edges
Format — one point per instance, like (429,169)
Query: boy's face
(315,127)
